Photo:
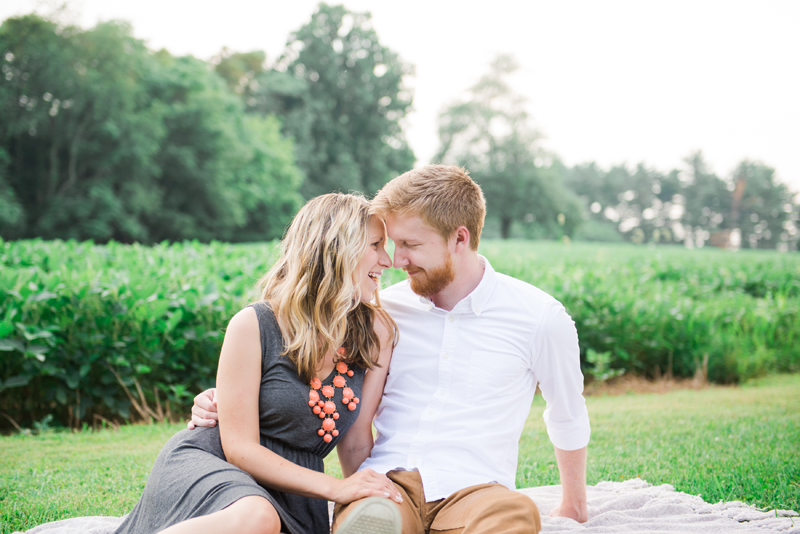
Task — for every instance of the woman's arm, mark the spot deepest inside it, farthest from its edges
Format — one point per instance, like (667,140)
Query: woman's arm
(357,443)
(238,383)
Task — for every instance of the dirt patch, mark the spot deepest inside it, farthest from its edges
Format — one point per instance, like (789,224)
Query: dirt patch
(628,384)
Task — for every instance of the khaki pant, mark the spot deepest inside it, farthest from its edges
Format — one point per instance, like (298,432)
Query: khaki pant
(481,509)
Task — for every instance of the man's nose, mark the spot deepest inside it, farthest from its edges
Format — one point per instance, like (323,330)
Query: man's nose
(400,260)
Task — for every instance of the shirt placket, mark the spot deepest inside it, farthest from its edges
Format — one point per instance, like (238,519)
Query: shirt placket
(432,412)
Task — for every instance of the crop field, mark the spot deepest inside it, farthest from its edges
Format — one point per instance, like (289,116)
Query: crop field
(124,332)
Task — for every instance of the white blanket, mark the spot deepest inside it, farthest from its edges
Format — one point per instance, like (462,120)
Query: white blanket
(628,507)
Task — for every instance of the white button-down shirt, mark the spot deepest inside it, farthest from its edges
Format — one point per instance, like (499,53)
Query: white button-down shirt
(461,383)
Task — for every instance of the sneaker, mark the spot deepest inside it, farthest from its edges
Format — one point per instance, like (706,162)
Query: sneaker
(375,515)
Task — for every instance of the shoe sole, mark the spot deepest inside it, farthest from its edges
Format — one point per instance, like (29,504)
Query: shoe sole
(375,515)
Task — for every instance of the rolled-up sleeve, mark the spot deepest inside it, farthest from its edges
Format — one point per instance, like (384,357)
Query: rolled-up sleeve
(556,357)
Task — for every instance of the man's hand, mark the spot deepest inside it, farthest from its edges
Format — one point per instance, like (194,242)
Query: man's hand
(572,469)
(204,409)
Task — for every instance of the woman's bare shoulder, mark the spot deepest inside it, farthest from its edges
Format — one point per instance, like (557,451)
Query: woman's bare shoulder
(244,322)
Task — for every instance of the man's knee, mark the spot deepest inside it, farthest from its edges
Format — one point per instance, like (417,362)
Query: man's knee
(503,511)
(521,504)
(518,509)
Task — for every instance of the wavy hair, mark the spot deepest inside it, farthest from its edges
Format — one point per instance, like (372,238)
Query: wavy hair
(312,289)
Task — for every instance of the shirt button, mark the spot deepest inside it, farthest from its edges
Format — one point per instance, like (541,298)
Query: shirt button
(445,355)
(430,412)
(451,318)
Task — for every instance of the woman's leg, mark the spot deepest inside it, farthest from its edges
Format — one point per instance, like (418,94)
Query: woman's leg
(248,515)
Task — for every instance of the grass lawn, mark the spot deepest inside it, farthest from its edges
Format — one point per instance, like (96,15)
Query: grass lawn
(724,443)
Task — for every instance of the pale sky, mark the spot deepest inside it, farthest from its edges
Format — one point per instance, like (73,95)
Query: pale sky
(606,81)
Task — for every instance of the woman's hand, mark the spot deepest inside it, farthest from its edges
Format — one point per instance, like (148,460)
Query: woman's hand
(365,483)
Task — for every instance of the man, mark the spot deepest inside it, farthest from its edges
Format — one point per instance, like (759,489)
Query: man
(473,344)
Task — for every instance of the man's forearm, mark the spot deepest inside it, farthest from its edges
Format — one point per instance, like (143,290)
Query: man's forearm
(354,448)
(572,469)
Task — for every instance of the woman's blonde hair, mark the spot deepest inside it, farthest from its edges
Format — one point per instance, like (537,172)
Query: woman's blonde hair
(312,288)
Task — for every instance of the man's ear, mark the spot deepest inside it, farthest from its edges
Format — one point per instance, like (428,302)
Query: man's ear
(461,238)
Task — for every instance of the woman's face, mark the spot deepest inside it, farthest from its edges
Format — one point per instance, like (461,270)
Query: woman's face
(375,260)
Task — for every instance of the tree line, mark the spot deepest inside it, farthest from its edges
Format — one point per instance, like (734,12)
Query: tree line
(533,194)
(104,139)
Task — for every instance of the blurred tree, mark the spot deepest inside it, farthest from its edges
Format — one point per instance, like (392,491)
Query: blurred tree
(647,205)
(78,128)
(217,166)
(707,200)
(763,207)
(490,134)
(263,90)
(106,140)
(340,96)
(639,204)
(11,212)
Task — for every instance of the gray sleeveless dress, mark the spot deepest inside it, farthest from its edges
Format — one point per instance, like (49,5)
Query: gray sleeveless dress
(191,478)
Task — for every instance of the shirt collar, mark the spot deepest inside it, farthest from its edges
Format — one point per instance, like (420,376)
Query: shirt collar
(479,298)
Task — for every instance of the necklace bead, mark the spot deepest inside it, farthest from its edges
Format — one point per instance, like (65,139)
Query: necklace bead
(326,409)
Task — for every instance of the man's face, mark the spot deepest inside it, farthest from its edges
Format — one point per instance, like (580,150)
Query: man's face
(421,252)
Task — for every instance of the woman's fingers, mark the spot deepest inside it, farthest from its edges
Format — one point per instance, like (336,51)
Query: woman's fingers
(367,483)
(206,401)
(381,485)
(201,417)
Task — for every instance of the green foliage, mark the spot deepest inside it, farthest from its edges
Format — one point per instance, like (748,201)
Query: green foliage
(10,209)
(765,208)
(118,331)
(341,97)
(636,205)
(103,139)
(490,134)
(600,366)
(348,131)
(666,310)
(708,200)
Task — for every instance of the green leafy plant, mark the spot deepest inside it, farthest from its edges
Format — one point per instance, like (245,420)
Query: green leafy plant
(116,333)
(601,369)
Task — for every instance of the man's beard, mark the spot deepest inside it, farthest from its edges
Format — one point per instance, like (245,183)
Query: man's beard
(428,283)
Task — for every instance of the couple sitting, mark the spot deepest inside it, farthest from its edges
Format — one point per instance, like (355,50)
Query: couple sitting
(446,368)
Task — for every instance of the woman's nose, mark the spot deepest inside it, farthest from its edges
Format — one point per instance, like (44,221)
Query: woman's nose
(384,260)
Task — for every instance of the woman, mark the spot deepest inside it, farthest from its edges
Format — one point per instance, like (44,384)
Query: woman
(300,372)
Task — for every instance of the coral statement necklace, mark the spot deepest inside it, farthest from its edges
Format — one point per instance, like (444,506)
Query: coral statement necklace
(326,409)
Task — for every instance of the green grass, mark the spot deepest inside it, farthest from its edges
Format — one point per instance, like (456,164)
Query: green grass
(724,443)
